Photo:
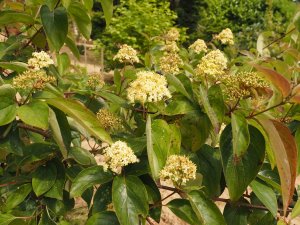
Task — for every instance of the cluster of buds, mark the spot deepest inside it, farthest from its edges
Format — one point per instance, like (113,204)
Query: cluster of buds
(226,37)
(198,46)
(108,120)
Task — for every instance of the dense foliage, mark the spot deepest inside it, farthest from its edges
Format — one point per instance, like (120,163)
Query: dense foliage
(247,19)
(195,121)
(134,23)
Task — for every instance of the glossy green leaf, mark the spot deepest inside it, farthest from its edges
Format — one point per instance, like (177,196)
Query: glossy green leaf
(82,115)
(44,178)
(266,195)
(240,171)
(205,209)
(209,164)
(183,209)
(17,196)
(55,25)
(89,177)
(35,113)
(236,215)
(9,17)
(240,134)
(179,106)
(103,218)
(57,189)
(82,156)
(81,18)
(60,129)
(8,106)
(102,198)
(284,147)
(130,199)
(216,101)
(107,6)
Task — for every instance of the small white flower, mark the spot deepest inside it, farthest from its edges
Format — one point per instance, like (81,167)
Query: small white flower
(127,54)
(39,60)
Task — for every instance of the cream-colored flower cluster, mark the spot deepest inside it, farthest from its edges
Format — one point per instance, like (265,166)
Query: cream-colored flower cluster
(226,37)
(242,85)
(127,54)
(39,60)
(171,47)
(116,156)
(32,80)
(178,169)
(148,87)
(172,35)
(108,120)
(95,81)
(170,63)
(198,46)
(212,65)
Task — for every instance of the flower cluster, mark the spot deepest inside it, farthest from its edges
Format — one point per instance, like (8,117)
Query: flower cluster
(212,65)
(171,47)
(127,54)
(198,46)
(226,37)
(242,85)
(95,81)
(148,87)
(170,63)
(32,80)
(39,60)
(118,155)
(172,35)
(108,120)
(179,170)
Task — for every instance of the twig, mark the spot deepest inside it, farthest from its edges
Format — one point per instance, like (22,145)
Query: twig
(278,39)
(7,184)
(265,110)
(45,133)
(169,188)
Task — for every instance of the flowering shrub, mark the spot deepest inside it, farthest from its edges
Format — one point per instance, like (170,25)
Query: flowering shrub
(207,123)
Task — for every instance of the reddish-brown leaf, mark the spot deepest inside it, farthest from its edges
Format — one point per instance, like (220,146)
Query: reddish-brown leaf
(279,81)
(283,144)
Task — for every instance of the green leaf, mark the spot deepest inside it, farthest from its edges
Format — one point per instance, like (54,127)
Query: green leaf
(17,196)
(176,83)
(35,113)
(240,171)
(266,195)
(297,139)
(45,220)
(82,115)
(210,166)
(55,25)
(236,215)
(6,219)
(9,48)
(81,18)
(57,189)
(296,209)
(240,134)
(206,211)
(215,98)
(102,198)
(15,66)
(183,209)
(88,4)
(8,106)
(44,178)
(72,46)
(284,147)
(162,143)
(107,6)
(63,63)
(130,199)
(61,131)
(207,106)
(87,178)
(103,218)
(82,156)
(179,106)
(8,17)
